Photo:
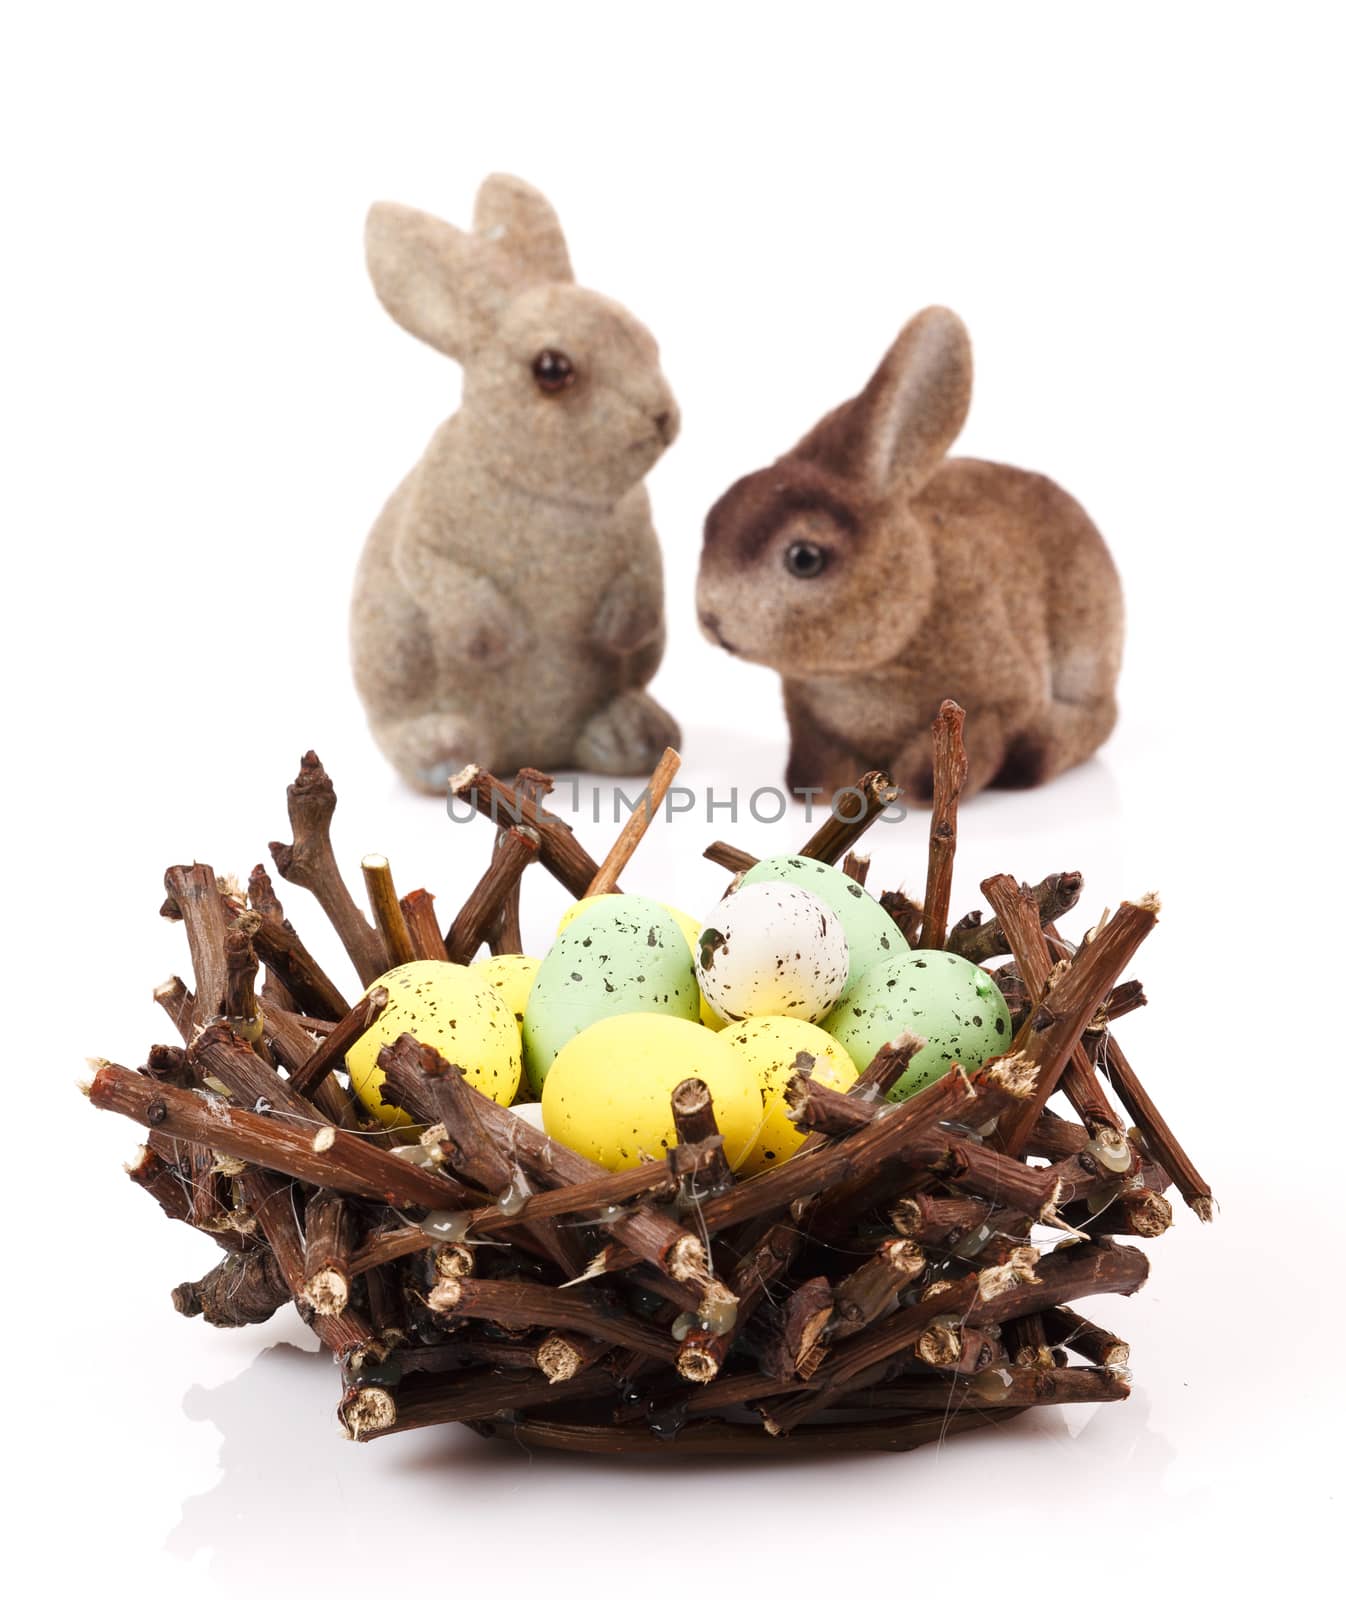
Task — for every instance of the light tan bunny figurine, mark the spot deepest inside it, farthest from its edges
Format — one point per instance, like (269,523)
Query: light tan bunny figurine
(508,607)
(879,578)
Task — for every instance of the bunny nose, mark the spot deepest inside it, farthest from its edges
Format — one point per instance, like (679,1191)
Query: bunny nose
(664,423)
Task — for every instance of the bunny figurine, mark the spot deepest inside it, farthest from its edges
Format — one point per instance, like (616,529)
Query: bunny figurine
(879,578)
(508,607)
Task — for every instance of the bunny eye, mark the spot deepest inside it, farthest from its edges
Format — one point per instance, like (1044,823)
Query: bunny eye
(553,371)
(804,559)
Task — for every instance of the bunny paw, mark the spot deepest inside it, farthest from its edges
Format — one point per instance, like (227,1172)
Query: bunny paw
(429,750)
(627,736)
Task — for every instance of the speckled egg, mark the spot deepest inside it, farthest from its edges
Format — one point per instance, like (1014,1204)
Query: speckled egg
(624,954)
(871,934)
(770,1046)
(772,950)
(607,1094)
(949,1002)
(512,979)
(689,925)
(455,1010)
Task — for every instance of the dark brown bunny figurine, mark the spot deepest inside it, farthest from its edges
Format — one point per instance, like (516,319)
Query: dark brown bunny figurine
(879,578)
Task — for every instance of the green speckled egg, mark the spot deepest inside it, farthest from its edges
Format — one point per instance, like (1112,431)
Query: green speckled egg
(626,954)
(871,934)
(951,1003)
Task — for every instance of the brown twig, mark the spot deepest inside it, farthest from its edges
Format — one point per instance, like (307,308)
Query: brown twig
(505,937)
(853,811)
(604,881)
(729,856)
(329,1236)
(1160,1138)
(1017,914)
(950,776)
(559,851)
(979,941)
(525,1305)
(387,910)
(997,1293)
(237,1292)
(1095,1344)
(856,867)
(698,1160)
(194,898)
(327,1156)
(418,912)
(239,1001)
(310,862)
(482,908)
(346,1332)
(1057,1023)
(905,912)
(286,955)
(331,1052)
(871,1291)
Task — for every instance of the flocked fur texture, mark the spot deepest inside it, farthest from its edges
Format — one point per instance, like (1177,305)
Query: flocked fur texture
(508,606)
(879,578)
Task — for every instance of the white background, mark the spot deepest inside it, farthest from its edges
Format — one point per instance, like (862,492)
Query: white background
(1137,210)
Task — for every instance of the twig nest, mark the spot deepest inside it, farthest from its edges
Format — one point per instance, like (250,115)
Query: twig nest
(772,950)
(951,1004)
(607,1094)
(458,1012)
(871,934)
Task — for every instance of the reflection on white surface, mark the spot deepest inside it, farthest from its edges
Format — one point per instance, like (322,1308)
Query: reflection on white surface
(294,1496)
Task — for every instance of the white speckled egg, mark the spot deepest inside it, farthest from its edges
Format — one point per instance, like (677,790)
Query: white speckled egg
(772,950)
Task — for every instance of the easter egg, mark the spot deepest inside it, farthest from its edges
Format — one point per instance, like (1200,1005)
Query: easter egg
(772,950)
(770,1046)
(690,928)
(871,934)
(607,1094)
(624,954)
(953,1005)
(512,979)
(455,1010)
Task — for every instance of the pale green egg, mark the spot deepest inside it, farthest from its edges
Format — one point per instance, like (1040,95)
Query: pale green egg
(871,934)
(952,1004)
(625,954)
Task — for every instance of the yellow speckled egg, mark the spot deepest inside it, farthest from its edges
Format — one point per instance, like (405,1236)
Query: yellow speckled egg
(458,1012)
(690,930)
(769,1045)
(608,1089)
(512,979)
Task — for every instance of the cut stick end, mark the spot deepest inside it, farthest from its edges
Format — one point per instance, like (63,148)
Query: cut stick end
(558,1359)
(1015,1075)
(370,1410)
(328,1292)
(445,1295)
(686,1260)
(697,1364)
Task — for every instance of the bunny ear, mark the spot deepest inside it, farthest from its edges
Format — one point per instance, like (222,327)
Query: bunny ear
(432,279)
(518,222)
(914,406)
